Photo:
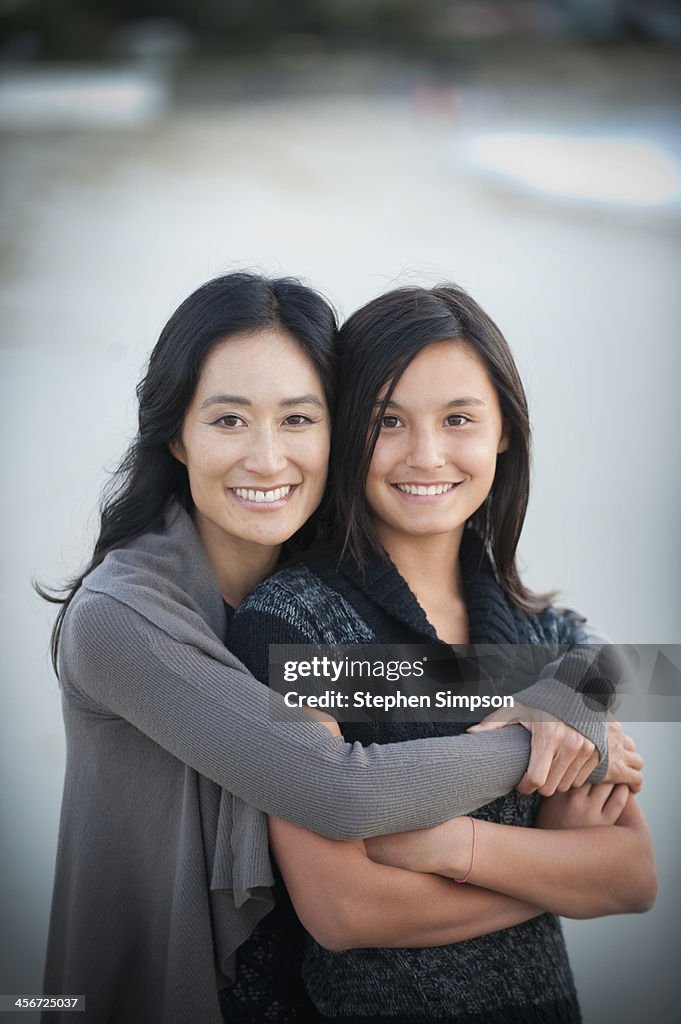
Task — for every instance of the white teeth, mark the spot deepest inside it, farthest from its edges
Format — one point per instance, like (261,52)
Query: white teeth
(423,489)
(262,496)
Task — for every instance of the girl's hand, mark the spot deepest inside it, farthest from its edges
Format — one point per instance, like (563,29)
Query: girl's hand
(602,804)
(441,850)
(327,721)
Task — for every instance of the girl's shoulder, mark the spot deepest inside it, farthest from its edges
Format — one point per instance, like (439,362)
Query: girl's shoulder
(302,601)
(299,584)
(555,625)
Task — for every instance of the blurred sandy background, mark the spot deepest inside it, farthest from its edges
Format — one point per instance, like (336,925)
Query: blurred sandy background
(528,151)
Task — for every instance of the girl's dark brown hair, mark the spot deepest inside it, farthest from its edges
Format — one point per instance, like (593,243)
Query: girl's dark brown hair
(376,344)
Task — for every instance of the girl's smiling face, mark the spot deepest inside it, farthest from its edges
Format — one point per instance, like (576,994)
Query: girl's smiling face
(255,442)
(436,452)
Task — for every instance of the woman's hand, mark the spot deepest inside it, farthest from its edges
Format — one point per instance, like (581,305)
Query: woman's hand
(624,761)
(560,756)
(601,804)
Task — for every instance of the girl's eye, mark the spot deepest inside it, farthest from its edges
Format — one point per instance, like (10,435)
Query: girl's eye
(457,420)
(229,420)
(389,422)
(297,419)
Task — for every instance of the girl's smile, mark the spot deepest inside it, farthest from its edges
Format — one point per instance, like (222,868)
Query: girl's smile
(424,492)
(436,454)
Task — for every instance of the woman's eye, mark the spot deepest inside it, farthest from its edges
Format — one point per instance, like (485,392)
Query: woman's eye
(388,422)
(297,419)
(457,420)
(229,420)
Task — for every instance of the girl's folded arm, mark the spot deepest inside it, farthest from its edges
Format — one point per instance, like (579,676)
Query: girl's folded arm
(591,856)
(577,872)
(345,900)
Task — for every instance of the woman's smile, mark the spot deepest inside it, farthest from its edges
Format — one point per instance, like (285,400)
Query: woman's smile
(264,500)
(255,442)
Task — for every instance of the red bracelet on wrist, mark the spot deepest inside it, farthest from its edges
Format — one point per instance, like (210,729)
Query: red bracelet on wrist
(465,878)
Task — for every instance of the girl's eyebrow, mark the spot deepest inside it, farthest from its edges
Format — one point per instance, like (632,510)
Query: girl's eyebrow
(238,400)
(456,403)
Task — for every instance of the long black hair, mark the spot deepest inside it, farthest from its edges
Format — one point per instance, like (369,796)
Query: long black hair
(376,344)
(149,476)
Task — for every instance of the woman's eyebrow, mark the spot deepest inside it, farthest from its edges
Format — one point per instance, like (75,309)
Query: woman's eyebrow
(225,400)
(239,400)
(303,400)
(456,403)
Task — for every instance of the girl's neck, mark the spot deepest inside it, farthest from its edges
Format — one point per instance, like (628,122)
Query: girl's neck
(238,566)
(430,565)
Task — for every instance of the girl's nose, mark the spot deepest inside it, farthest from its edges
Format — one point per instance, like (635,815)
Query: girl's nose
(425,451)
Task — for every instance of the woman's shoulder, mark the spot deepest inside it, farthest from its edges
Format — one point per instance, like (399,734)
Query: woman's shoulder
(92,613)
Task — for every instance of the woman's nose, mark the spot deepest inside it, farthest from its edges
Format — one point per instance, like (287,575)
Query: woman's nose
(425,450)
(266,455)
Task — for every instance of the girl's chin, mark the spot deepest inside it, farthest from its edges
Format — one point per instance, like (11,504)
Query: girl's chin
(421,529)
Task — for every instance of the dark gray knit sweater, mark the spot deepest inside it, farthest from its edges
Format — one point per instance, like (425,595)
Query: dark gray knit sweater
(518,974)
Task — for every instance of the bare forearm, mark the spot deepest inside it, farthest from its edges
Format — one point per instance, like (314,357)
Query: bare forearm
(372,905)
(576,872)
(416,911)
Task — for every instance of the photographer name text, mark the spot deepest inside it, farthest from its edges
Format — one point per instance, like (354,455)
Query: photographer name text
(337,699)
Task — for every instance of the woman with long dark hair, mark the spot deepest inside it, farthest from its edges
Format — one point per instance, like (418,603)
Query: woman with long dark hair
(429,484)
(173,750)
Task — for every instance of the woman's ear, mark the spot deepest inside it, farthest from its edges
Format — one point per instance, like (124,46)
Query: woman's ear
(505,439)
(176,449)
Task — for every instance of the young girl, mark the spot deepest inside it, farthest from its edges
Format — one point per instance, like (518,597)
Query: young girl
(430,472)
(172,755)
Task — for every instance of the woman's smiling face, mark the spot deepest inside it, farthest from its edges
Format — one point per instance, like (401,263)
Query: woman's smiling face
(255,441)
(436,453)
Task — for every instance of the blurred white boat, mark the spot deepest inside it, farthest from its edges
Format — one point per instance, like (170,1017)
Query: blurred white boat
(613,170)
(67,98)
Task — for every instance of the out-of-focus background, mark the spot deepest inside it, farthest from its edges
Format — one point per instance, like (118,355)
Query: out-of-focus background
(527,150)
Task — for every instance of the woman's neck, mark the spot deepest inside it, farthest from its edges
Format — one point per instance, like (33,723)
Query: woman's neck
(238,566)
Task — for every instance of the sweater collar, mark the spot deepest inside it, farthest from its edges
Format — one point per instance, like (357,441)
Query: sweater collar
(163,569)
(490,616)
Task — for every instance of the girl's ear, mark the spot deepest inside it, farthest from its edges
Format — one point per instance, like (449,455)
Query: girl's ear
(176,449)
(505,439)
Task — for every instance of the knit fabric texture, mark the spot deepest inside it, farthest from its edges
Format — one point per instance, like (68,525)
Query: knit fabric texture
(520,973)
(173,760)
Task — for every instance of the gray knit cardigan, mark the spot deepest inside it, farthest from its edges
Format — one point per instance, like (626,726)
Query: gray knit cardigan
(173,760)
